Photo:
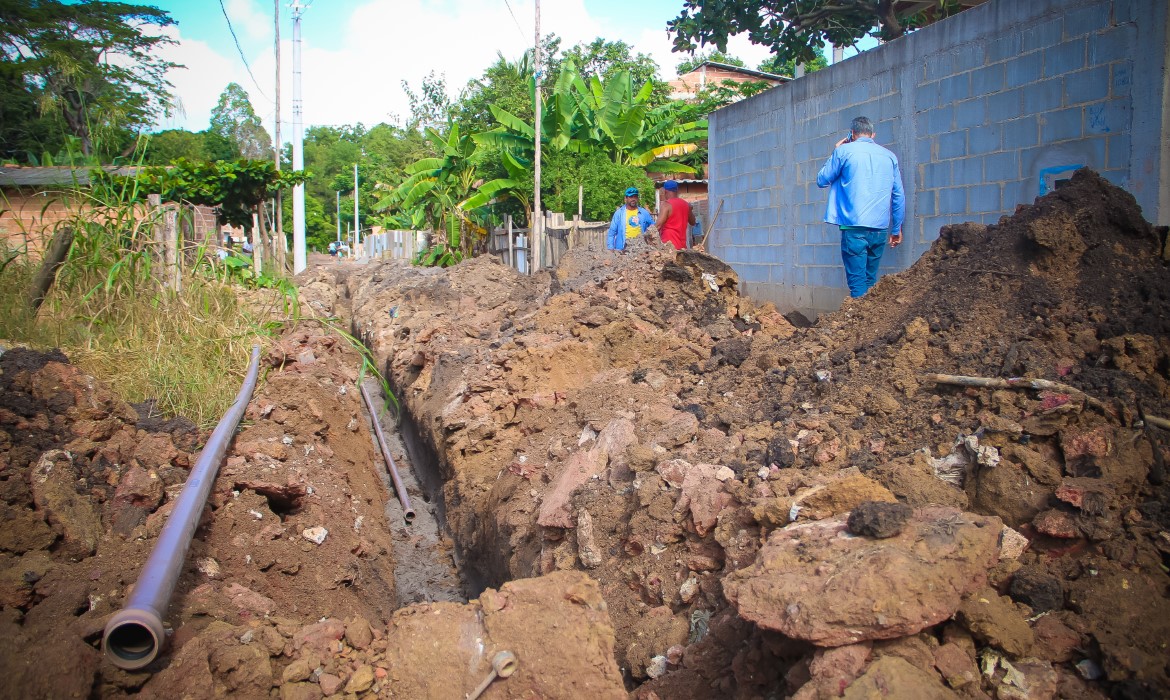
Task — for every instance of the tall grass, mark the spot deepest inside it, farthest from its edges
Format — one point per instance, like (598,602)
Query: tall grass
(186,348)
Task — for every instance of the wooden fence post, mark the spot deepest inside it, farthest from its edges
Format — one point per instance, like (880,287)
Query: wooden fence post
(171,246)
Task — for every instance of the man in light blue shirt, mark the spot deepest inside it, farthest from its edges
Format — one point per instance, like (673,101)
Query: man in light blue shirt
(866,201)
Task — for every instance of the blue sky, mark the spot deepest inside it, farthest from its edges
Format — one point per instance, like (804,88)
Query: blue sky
(358,52)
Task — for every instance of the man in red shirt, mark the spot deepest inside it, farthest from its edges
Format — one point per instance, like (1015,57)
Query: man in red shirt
(675,217)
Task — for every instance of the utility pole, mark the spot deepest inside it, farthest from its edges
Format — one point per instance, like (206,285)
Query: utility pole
(298,144)
(278,242)
(357,227)
(339,217)
(535,224)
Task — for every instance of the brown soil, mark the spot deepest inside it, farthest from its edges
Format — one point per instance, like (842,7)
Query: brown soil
(633,417)
(649,481)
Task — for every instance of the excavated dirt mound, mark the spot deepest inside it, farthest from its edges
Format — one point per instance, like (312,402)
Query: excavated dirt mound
(634,417)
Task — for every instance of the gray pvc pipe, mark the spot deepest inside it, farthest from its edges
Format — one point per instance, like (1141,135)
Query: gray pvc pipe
(134,635)
(407,511)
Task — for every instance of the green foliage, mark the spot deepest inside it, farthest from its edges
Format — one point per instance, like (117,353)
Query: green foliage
(235,187)
(702,57)
(778,67)
(170,145)
(430,107)
(92,68)
(604,182)
(795,29)
(234,120)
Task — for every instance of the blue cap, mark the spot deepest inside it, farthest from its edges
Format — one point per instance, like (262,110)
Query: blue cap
(631,191)
(670,185)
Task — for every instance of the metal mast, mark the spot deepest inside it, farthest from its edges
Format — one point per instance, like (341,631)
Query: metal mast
(298,144)
(535,224)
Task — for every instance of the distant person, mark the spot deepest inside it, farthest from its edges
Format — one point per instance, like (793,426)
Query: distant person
(675,218)
(866,201)
(333,247)
(629,221)
(247,247)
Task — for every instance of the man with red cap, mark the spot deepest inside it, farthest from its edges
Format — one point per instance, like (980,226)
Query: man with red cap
(675,217)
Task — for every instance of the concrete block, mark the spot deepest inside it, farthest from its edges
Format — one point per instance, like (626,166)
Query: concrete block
(1121,81)
(1117,152)
(1002,166)
(935,174)
(926,96)
(1020,133)
(826,276)
(970,113)
(1042,35)
(924,150)
(811,254)
(1003,48)
(983,198)
(985,139)
(938,66)
(1061,125)
(1084,21)
(952,144)
(1005,105)
(750,272)
(859,93)
(1087,85)
(1116,44)
(1064,58)
(955,88)
(967,171)
(967,57)
(940,119)
(924,203)
(1109,117)
(771,254)
(1125,10)
(1024,70)
(932,224)
(952,200)
(987,80)
(1044,96)
(1022,191)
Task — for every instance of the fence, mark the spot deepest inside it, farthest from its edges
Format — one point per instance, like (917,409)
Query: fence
(511,244)
(395,244)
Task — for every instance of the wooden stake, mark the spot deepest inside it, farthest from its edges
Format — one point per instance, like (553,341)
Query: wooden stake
(54,256)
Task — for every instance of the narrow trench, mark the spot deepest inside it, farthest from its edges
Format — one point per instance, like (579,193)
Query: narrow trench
(426,567)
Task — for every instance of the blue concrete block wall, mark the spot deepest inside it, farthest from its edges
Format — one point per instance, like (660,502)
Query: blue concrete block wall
(980,109)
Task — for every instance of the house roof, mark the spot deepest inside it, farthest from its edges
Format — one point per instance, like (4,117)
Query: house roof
(48,176)
(740,69)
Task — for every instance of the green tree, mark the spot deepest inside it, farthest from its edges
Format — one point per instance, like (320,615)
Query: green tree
(775,66)
(703,56)
(94,65)
(234,119)
(173,144)
(795,29)
(603,180)
(430,107)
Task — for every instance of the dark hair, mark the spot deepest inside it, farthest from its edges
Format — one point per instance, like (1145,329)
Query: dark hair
(862,126)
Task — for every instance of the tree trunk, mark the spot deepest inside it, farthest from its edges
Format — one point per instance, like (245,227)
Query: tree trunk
(54,256)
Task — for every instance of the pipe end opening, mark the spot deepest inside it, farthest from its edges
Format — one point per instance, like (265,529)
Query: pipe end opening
(408,516)
(131,644)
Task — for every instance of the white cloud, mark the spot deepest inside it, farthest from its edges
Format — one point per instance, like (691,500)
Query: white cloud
(249,21)
(385,42)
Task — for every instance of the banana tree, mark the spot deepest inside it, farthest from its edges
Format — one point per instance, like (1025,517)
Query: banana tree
(431,194)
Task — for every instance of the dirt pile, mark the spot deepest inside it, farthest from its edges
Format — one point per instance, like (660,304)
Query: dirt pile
(634,417)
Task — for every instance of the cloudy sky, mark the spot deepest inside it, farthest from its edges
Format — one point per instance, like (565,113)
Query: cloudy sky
(358,52)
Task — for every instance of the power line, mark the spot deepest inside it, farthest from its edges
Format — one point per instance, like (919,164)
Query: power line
(238,48)
(518,27)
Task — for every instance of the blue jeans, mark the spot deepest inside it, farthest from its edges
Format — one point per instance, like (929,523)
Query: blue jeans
(861,252)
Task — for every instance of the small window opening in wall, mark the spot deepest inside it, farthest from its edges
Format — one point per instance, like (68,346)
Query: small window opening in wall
(1063,182)
(1050,178)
